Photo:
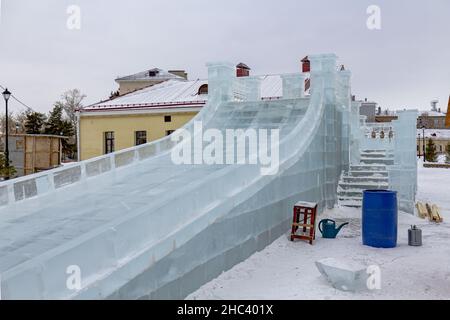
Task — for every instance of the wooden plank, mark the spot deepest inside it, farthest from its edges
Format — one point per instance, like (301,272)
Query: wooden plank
(430,214)
(436,215)
(301,237)
(303,225)
(50,153)
(421,210)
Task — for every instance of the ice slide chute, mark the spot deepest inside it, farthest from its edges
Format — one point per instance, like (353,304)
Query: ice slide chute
(133,225)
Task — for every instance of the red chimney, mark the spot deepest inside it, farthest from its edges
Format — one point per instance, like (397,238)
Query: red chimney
(242,70)
(306,66)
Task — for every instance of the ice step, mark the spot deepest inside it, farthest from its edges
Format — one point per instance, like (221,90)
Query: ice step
(350,201)
(374,151)
(374,155)
(344,186)
(368,167)
(350,204)
(370,173)
(350,179)
(377,161)
(350,193)
(377,156)
(350,198)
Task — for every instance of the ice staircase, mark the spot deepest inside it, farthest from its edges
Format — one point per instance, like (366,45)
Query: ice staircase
(371,173)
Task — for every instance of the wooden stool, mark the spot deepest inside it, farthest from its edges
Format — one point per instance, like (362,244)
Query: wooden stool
(306,213)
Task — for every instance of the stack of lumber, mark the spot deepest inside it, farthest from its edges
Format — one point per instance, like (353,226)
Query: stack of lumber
(429,211)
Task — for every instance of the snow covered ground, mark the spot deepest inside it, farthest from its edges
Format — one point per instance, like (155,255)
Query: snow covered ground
(434,186)
(286,270)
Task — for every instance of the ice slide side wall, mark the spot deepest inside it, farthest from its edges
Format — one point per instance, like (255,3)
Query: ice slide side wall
(245,219)
(252,224)
(248,227)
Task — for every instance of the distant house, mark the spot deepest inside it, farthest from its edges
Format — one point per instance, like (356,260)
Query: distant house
(432,120)
(150,113)
(147,78)
(31,153)
(440,137)
(367,108)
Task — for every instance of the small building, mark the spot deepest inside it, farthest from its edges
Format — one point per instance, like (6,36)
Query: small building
(31,153)
(368,109)
(147,78)
(431,120)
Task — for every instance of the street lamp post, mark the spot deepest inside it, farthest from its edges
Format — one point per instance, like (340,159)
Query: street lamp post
(419,148)
(6,96)
(424,148)
(423,127)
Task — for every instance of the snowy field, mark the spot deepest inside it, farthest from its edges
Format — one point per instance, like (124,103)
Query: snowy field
(286,270)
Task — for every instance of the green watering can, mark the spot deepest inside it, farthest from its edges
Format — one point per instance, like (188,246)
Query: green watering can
(327,228)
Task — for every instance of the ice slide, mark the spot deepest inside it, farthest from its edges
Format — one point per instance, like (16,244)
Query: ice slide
(134,225)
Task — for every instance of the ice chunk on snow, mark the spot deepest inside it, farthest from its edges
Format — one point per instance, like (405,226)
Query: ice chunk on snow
(343,275)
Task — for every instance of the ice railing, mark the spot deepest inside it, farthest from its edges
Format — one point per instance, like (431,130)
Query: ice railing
(41,183)
(377,135)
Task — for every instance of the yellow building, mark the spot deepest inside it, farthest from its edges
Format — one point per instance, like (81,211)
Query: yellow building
(440,137)
(146,114)
(138,117)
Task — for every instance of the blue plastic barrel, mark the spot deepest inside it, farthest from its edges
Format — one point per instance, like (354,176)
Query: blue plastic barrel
(379,218)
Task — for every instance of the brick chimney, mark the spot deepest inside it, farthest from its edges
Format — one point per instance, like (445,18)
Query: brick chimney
(306,65)
(242,70)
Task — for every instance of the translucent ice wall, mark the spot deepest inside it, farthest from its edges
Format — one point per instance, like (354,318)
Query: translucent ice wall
(398,139)
(139,226)
(403,175)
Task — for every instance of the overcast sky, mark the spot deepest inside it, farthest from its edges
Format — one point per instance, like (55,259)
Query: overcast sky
(405,64)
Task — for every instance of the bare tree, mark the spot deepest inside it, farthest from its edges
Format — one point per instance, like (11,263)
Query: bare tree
(20,120)
(71,101)
(15,123)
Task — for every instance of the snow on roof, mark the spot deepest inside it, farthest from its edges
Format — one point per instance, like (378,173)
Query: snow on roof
(435,133)
(152,74)
(243,66)
(176,92)
(433,114)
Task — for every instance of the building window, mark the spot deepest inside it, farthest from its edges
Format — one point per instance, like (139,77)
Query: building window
(109,142)
(169,132)
(440,148)
(167,118)
(140,137)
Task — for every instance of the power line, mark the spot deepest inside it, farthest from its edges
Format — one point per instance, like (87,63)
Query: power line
(20,102)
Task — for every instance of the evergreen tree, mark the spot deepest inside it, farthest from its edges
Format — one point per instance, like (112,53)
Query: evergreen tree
(431,155)
(6,170)
(57,125)
(55,120)
(34,123)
